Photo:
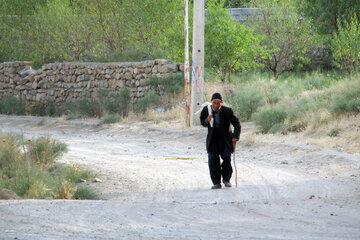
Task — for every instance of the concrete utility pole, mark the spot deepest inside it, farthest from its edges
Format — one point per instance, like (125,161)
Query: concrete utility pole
(186,65)
(197,83)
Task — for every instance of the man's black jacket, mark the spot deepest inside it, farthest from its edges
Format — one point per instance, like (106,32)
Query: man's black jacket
(226,117)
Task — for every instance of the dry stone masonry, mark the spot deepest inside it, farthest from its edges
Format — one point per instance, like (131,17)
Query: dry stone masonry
(60,82)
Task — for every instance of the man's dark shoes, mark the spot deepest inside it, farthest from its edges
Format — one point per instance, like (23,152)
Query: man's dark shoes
(227,184)
(216,186)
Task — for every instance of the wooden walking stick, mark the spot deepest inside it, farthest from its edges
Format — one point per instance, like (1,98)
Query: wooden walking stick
(236,183)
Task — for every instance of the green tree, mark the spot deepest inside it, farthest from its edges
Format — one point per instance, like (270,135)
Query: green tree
(45,31)
(229,45)
(326,14)
(109,21)
(63,33)
(236,3)
(148,22)
(15,19)
(286,34)
(345,44)
(229,3)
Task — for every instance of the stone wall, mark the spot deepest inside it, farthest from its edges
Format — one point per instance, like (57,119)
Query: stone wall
(60,82)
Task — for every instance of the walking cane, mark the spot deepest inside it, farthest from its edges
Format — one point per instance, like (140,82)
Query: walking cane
(235,166)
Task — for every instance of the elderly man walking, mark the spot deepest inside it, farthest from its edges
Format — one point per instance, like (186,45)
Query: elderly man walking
(220,140)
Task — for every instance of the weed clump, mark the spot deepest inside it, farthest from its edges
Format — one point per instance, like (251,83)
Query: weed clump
(11,105)
(150,99)
(246,102)
(268,116)
(84,192)
(29,168)
(347,99)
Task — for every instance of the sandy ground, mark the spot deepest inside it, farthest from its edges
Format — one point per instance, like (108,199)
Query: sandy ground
(156,185)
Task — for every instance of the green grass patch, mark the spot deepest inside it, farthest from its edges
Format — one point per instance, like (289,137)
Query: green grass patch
(295,100)
(28,167)
(172,84)
(245,102)
(268,117)
(12,105)
(115,102)
(151,99)
(111,118)
(347,99)
(84,192)
(333,132)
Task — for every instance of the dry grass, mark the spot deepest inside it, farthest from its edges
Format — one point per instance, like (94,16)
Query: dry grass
(223,89)
(348,139)
(64,191)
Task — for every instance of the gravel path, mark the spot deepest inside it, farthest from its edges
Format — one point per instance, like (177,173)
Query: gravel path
(156,185)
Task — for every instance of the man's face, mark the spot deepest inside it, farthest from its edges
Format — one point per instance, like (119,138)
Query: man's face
(216,103)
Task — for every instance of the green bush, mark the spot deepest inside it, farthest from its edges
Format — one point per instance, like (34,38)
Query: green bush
(31,182)
(84,192)
(333,132)
(347,99)
(29,169)
(11,105)
(277,127)
(9,149)
(44,150)
(150,99)
(85,106)
(45,109)
(268,116)
(119,55)
(272,93)
(111,118)
(38,109)
(299,107)
(73,173)
(245,102)
(171,85)
(112,102)
(316,81)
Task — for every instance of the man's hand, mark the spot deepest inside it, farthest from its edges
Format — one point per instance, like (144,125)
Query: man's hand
(209,118)
(234,140)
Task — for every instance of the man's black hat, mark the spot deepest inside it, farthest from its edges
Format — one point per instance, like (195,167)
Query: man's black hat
(216,96)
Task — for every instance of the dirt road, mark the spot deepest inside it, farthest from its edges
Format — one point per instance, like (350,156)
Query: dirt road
(156,185)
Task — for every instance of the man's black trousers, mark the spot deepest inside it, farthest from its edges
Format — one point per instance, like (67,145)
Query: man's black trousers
(217,170)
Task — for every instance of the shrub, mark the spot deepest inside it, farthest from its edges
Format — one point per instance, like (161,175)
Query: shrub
(246,102)
(277,127)
(316,81)
(124,101)
(64,190)
(12,106)
(271,92)
(111,118)
(333,132)
(171,85)
(347,99)
(151,99)
(85,106)
(115,102)
(44,150)
(119,55)
(9,149)
(268,116)
(29,169)
(299,107)
(84,192)
(72,173)
(45,109)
